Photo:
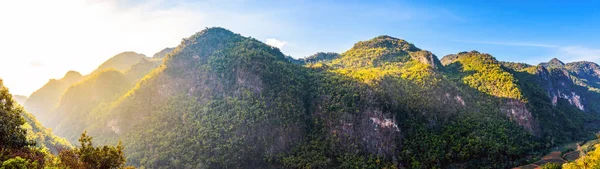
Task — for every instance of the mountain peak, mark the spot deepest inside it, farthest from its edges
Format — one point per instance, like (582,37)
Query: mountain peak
(385,41)
(72,75)
(386,49)
(209,40)
(320,56)
(163,53)
(121,61)
(553,63)
(211,32)
(448,59)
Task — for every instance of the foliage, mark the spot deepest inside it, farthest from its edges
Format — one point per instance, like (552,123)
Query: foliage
(484,73)
(44,100)
(88,156)
(551,166)
(12,135)
(17,150)
(590,160)
(320,57)
(72,114)
(43,137)
(18,163)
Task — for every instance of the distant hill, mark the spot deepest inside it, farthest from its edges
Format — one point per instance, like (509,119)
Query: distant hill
(20,99)
(162,53)
(82,98)
(46,98)
(121,61)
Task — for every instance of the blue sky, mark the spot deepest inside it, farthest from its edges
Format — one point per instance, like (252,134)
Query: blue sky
(45,39)
(530,32)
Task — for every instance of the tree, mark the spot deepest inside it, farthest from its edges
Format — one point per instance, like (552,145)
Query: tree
(12,135)
(88,156)
(18,163)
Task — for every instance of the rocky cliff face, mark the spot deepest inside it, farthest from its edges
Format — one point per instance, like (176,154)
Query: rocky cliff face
(575,82)
(518,113)
(427,58)
(559,85)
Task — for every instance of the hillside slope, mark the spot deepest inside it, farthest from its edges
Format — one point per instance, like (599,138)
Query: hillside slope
(30,127)
(121,61)
(46,98)
(43,101)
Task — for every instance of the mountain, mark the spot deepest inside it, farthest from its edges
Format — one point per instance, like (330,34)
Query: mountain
(47,97)
(320,57)
(73,110)
(142,68)
(121,61)
(553,63)
(43,137)
(162,53)
(29,129)
(24,143)
(222,96)
(20,99)
(586,73)
(43,101)
(384,103)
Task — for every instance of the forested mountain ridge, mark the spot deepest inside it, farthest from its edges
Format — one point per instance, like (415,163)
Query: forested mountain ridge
(45,100)
(384,103)
(40,136)
(121,61)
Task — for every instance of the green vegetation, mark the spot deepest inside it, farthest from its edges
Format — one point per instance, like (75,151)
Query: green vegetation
(320,57)
(88,156)
(589,160)
(221,100)
(44,138)
(551,166)
(320,113)
(484,73)
(72,114)
(17,150)
(45,99)
(12,135)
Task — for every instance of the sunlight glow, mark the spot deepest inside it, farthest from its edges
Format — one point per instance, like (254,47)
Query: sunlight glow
(52,37)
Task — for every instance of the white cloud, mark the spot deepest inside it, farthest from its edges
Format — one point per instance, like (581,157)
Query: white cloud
(578,53)
(276,43)
(509,43)
(565,53)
